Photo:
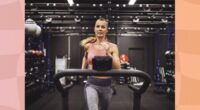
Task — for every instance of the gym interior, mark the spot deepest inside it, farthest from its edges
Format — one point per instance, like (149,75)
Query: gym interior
(143,31)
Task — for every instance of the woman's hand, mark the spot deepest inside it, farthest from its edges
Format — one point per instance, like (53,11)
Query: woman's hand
(112,51)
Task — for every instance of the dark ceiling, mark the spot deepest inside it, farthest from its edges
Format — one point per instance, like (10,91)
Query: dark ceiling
(142,19)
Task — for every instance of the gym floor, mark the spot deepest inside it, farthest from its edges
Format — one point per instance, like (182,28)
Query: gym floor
(123,100)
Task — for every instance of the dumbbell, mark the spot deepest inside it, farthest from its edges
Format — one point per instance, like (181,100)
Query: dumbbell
(167,54)
(172,54)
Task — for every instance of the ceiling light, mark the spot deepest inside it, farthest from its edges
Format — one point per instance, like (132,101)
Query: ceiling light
(47,4)
(77,5)
(140,5)
(54,4)
(117,5)
(109,2)
(77,20)
(164,20)
(136,20)
(124,5)
(146,30)
(62,30)
(131,2)
(163,5)
(71,2)
(94,5)
(48,20)
(100,5)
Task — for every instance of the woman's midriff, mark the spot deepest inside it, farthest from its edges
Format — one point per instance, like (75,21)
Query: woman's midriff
(92,51)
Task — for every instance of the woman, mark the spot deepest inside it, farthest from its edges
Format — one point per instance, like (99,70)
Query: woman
(98,90)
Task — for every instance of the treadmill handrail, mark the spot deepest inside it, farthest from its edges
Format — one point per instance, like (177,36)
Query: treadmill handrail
(113,72)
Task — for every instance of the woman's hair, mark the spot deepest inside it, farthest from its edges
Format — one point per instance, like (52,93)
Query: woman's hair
(88,40)
(103,19)
(91,39)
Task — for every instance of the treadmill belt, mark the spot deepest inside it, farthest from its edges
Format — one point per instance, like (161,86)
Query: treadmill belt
(123,100)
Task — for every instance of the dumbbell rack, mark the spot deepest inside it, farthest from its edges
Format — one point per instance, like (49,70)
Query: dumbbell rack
(170,75)
(35,72)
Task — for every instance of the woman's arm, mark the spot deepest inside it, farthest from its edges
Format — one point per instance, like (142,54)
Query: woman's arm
(114,53)
(84,62)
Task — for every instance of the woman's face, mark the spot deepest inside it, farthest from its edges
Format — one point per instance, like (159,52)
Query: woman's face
(101,28)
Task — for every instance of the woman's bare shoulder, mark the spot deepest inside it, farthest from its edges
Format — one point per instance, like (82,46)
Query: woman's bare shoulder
(113,45)
(87,45)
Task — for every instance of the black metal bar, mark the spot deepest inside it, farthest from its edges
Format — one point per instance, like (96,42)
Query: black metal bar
(114,72)
(65,102)
(136,101)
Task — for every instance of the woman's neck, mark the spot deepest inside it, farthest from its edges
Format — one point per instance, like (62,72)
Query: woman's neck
(100,40)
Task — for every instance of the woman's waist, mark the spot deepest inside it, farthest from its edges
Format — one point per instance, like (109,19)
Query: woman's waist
(100,80)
